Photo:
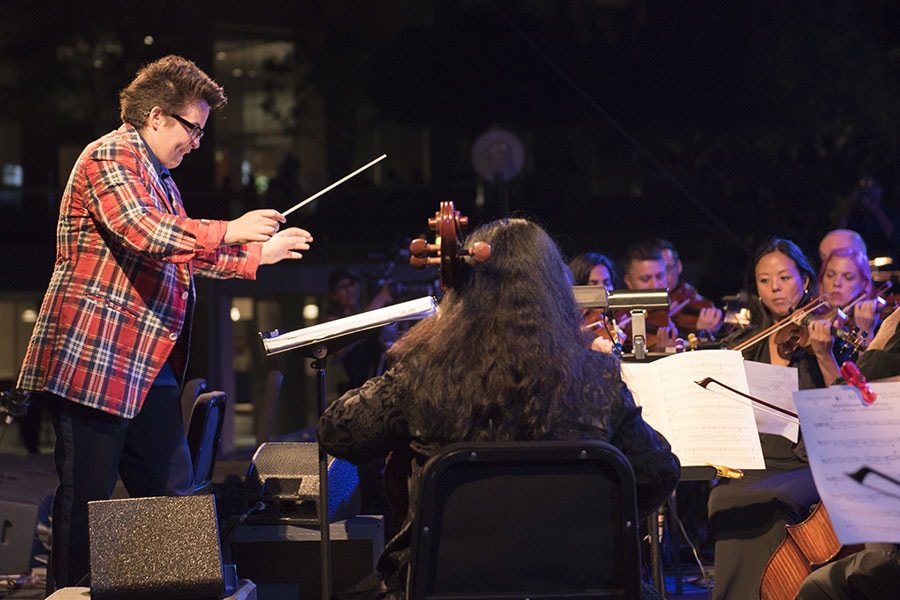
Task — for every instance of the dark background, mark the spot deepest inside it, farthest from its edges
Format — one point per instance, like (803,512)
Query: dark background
(711,123)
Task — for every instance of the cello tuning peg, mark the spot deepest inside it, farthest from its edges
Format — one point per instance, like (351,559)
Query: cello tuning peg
(480,251)
(418,248)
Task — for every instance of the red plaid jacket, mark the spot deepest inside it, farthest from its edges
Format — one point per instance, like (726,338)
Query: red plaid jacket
(120,297)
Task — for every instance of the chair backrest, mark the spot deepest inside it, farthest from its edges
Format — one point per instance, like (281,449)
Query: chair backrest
(526,519)
(189,393)
(204,434)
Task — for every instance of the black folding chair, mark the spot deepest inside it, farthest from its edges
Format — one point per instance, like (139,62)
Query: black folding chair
(204,434)
(526,520)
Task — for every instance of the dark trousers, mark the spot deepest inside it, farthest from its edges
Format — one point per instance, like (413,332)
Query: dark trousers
(93,449)
(870,573)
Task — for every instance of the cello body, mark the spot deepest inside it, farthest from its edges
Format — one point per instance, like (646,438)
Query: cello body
(806,546)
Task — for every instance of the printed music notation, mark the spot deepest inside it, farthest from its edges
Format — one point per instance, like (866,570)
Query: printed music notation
(702,425)
(775,384)
(854,453)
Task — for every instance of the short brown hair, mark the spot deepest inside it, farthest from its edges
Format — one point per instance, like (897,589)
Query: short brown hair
(172,83)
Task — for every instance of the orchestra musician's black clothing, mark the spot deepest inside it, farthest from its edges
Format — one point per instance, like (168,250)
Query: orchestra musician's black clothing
(748,516)
(503,359)
(381,416)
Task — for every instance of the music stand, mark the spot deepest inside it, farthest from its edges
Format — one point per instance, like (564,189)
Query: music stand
(317,342)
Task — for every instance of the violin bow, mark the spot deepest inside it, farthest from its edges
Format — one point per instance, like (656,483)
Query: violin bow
(791,318)
(785,414)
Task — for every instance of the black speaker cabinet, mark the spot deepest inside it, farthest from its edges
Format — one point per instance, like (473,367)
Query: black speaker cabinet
(165,547)
(285,476)
(285,561)
(17,535)
(27,484)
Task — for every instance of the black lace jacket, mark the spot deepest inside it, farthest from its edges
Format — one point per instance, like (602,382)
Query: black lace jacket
(381,417)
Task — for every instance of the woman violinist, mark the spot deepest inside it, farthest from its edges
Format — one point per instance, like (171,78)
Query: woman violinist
(845,277)
(749,515)
(593,268)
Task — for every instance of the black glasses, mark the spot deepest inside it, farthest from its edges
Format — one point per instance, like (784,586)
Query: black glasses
(196,131)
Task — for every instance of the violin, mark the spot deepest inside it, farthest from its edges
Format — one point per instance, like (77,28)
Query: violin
(868,323)
(655,320)
(806,546)
(686,306)
(600,326)
(802,318)
(795,335)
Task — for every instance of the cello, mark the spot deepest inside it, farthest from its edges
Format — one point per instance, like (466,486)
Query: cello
(448,254)
(811,543)
(806,546)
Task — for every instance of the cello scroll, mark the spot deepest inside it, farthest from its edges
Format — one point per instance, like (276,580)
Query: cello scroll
(447,251)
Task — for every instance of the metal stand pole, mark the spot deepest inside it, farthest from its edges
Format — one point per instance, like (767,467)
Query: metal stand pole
(321,354)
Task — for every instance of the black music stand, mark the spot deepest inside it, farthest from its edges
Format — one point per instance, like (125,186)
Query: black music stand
(319,354)
(317,342)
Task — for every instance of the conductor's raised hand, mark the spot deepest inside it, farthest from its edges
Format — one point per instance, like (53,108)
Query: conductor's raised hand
(254,226)
(285,244)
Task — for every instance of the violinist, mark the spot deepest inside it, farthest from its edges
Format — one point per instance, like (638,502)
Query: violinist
(690,311)
(645,269)
(845,277)
(748,515)
(593,268)
(841,238)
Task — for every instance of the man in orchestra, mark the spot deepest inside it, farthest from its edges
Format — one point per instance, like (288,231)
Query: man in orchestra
(709,318)
(873,572)
(645,269)
(110,346)
(840,238)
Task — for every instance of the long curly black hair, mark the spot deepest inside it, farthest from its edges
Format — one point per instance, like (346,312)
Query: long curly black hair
(504,358)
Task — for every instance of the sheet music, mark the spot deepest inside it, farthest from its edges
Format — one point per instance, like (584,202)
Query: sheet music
(275,341)
(845,437)
(776,385)
(703,425)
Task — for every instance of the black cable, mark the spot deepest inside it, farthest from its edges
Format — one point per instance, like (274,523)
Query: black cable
(233,522)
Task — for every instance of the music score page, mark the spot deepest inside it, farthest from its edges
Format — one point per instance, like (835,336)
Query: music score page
(703,425)
(854,453)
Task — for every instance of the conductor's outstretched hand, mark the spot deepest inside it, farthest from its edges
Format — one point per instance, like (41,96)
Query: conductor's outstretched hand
(285,245)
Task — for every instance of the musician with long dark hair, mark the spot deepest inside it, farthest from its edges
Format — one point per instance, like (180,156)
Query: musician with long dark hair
(748,515)
(503,359)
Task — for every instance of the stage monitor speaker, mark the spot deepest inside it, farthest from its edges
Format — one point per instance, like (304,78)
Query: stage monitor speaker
(27,484)
(162,547)
(285,476)
(17,536)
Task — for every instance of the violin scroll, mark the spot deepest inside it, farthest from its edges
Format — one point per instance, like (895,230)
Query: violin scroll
(447,251)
